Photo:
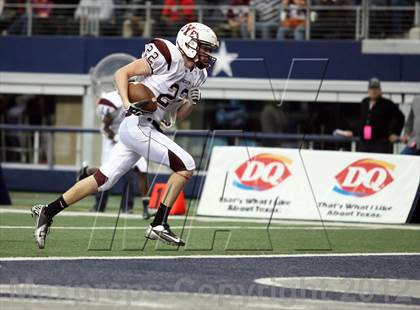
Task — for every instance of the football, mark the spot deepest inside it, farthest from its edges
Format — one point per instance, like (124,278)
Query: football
(142,95)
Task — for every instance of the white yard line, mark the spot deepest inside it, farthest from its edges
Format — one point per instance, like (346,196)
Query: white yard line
(51,258)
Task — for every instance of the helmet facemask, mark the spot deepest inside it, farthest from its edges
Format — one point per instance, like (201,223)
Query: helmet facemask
(205,59)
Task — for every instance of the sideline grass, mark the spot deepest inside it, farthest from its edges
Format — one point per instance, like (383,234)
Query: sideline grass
(202,238)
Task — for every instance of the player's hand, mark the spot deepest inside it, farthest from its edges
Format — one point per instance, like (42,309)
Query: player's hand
(135,108)
(194,95)
(393,138)
(115,139)
(405,138)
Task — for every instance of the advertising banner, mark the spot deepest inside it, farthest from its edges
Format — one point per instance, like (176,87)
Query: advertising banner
(257,182)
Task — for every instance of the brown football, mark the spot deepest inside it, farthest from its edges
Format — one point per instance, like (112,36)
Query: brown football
(141,93)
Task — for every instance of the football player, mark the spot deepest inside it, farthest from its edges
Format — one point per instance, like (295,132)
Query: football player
(174,73)
(110,110)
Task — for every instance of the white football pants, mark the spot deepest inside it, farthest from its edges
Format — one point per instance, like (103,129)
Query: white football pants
(139,138)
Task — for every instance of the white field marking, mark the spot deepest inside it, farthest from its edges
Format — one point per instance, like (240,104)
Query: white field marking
(180,227)
(52,258)
(200,227)
(88,298)
(365,286)
(226,219)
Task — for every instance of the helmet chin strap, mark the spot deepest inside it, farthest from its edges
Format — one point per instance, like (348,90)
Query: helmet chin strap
(200,65)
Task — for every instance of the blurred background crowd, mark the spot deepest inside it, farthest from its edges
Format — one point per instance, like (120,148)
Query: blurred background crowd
(267,19)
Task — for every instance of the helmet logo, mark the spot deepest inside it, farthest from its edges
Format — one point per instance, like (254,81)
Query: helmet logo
(189,30)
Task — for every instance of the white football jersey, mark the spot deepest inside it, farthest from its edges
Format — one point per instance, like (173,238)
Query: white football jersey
(110,104)
(170,80)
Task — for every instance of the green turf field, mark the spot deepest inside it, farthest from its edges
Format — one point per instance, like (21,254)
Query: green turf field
(86,234)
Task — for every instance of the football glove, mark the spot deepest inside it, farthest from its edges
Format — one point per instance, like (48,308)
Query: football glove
(194,95)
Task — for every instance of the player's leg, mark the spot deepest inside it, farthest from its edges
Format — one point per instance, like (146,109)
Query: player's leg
(141,169)
(120,161)
(43,214)
(159,148)
(183,166)
(101,198)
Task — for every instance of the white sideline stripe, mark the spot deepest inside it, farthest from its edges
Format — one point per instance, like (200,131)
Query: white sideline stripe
(206,227)
(180,227)
(33,258)
(224,219)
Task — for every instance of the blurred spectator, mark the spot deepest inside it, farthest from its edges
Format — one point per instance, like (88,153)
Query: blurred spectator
(42,10)
(333,23)
(401,20)
(392,22)
(91,12)
(134,21)
(174,17)
(273,120)
(63,17)
(214,14)
(11,15)
(3,19)
(231,116)
(237,17)
(265,18)
(412,129)
(293,19)
(381,121)
(98,9)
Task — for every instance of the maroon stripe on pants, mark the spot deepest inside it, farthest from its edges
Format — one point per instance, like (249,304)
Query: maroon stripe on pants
(175,162)
(100,178)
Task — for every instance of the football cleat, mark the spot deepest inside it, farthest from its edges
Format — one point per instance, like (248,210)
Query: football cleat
(42,224)
(163,233)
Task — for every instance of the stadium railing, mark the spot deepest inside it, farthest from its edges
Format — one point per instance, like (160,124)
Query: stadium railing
(322,21)
(41,139)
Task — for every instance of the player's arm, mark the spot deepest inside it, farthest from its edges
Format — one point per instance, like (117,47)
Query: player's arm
(184,110)
(137,67)
(106,127)
(194,96)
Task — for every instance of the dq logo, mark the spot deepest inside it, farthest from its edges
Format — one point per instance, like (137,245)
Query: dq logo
(364,177)
(262,172)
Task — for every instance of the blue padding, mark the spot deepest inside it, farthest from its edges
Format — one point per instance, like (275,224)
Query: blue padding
(260,58)
(4,193)
(58,181)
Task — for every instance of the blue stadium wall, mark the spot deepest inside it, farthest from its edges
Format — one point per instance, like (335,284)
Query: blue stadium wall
(58,181)
(76,55)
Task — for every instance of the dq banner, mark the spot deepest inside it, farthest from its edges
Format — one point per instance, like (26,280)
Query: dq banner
(310,185)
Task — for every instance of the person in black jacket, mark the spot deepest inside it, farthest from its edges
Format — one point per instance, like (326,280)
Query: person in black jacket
(381,121)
